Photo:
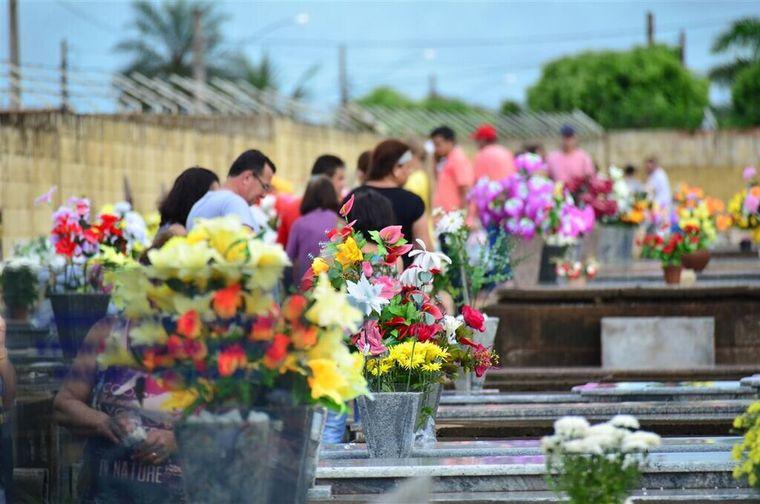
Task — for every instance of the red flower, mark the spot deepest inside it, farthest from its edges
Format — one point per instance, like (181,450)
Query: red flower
(432,310)
(293,307)
(341,233)
(231,359)
(227,301)
(423,332)
(195,350)
(395,252)
(262,329)
(65,247)
(189,324)
(391,234)
(307,280)
(175,348)
(347,206)
(277,351)
(474,318)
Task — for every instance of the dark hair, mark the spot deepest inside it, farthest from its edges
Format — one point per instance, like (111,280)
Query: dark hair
(320,193)
(188,188)
(253,160)
(327,164)
(385,157)
(365,159)
(630,170)
(372,211)
(444,132)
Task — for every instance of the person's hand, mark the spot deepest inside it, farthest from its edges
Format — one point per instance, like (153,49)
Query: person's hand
(113,428)
(156,448)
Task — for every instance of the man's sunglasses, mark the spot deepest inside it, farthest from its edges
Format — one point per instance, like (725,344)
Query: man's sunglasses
(266,187)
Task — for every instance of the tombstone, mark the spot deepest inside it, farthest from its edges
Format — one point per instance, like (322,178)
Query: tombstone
(657,342)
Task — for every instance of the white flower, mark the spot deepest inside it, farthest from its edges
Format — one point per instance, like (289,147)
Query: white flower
(550,443)
(450,223)
(410,277)
(571,427)
(366,296)
(607,436)
(625,422)
(615,173)
(122,207)
(429,260)
(640,441)
(450,325)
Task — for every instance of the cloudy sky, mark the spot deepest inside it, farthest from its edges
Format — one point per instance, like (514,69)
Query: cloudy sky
(480,51)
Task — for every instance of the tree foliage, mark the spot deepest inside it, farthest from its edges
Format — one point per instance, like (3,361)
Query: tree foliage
(386,96)
(510,107)
(741,39)
(646,87)
(745,94)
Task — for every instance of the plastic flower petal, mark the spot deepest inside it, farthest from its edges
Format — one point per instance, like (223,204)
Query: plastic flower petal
(348,252)
(366,296)
(331,307)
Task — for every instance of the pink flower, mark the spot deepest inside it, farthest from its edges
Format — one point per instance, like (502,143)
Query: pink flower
(391,234)
(751,203)
(347,206)
(391,286)
(370,340)
(367,269)
(749,173)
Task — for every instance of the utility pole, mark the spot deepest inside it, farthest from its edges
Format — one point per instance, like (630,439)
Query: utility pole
(432,86)
(199,65)
(15,73)
(682,47)
(65,106)
(343,75)
(650,28)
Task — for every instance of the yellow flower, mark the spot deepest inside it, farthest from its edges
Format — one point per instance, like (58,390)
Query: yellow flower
(266,263)
(227,235)
(179,400)
(257,302)
(130,291)
(432,367)
(349,252)
(201,304)
(116,353)
(319,266)
(326,380)
(148,332)
(331,307)
(180,259)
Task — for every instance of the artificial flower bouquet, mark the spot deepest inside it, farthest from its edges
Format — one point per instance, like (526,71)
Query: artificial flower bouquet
(694,208)
(202,319)
(471,273)
(747,452)
(744,206)
(600,463)
(528,203)
(575,270)
(596,191)
(669,244)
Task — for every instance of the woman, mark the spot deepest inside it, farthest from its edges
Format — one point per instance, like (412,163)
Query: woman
(319,208)
(188,188)
(392,163)
(130,451)
(362,166)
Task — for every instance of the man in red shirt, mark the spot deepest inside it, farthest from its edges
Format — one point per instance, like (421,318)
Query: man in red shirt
(288,209)
(454,172)
(492,160)
(571,162)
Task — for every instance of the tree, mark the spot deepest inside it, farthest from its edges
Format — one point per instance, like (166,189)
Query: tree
(646,87)
(163,40)
(510,107)
(385,96)
(745,94)
(742,39)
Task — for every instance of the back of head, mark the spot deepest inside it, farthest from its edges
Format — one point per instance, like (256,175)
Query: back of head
(327,164)
(253,160)
(364,161)
(444,132)
(630,170)
(385,157)
(372,211)
(320,194)
(417,148)
(188,188)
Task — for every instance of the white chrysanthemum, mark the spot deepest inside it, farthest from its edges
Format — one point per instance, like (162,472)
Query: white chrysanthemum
(450,223)
(625,422)
(640,441)
(607,436)
(550,443)
(571,427)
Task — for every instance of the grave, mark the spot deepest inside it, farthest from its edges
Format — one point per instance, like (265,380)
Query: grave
(657,342)
(664,391)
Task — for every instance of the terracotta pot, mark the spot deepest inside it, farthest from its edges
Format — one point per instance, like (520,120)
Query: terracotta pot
(672,274)
(696,260)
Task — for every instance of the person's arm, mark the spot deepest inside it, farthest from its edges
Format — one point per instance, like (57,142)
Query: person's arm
(70,407)
(7,372)
(237,206)
(421,230)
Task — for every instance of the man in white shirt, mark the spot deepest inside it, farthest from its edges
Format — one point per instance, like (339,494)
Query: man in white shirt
(658,185)
(249,178)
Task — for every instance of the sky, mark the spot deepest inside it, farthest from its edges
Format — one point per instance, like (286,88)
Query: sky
(483,52)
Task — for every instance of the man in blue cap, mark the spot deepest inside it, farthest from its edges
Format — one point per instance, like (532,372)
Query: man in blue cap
(571,162)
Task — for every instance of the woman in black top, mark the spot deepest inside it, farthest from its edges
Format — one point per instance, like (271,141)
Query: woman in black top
(389,170)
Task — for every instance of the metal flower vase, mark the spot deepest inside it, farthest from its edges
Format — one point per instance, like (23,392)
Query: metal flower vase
(269,457)
(388,422)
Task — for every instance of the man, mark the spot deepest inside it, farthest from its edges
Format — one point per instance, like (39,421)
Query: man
(492,160)
(249,178)
(288,209)
(658,185)
(571,162)
(454,172)
(634,185)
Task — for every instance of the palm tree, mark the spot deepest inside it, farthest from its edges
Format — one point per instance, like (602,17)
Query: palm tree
(265,75)
(163,40)
(742,38)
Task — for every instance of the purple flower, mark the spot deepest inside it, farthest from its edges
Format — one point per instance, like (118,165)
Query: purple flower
(749,173)
(751,203)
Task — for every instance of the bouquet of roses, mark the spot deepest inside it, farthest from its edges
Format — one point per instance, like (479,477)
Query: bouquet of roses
(203,320)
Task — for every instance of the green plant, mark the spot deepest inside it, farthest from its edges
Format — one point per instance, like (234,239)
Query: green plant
(747,452)
(742,40)
(745,96)
(20,283)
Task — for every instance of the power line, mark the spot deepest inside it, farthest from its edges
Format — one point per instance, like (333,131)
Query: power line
(86,17)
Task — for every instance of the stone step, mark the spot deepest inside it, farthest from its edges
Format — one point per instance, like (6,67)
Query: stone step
(664,391)
(506,474)
(519,447)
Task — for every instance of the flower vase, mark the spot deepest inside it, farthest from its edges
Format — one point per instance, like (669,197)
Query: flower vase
(269,457)
(75,313)
(696,260)
(485,338)
(615,245)
(424,432)
(672,274)
(527,262)
(550,254)
(388,422)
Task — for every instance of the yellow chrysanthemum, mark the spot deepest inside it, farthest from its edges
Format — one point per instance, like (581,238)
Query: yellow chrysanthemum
(349,252)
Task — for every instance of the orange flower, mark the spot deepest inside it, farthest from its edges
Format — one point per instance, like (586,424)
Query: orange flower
(294,307)
(227,301)
(304,337)
(723,222)
(277,351)
(176,347)
(189,324)
(151,360)
(755,191)
(231,359)
(262,329)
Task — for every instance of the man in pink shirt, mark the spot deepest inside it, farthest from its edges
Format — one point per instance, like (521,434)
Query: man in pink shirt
(454,172)
(492,160)
(571,162)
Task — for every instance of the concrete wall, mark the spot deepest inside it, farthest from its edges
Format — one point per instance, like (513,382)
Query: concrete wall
(91,155)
